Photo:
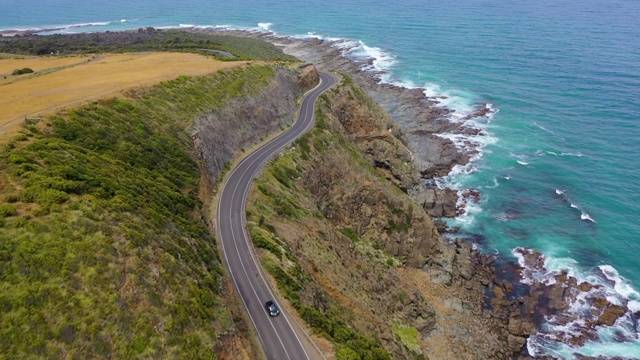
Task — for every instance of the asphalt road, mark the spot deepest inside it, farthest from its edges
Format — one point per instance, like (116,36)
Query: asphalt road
(278,336)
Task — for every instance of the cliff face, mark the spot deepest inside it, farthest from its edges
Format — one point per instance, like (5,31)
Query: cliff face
(243,122)
(385,145)
(354,115)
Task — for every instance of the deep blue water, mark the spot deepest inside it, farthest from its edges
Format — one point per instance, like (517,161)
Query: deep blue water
(564,75)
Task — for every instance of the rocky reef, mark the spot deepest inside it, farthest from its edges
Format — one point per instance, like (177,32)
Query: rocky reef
(574,311)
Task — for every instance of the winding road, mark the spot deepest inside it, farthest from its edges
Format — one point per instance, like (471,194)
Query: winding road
(280,336)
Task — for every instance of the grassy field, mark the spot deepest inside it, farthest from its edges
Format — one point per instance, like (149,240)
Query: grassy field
(87,78)
(8,63)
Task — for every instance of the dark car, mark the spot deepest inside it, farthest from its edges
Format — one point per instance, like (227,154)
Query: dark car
(272,308)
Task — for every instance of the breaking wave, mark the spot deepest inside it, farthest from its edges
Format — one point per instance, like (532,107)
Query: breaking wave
(583,214)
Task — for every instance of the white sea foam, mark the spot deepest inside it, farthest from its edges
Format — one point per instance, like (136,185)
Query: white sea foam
(102,23)
(471,209)
(63,28)
(21,29)
(522,162)
(572,154)
(529,274)
(621,286)
(198,27)
(262,27)
(495,184)
(578,154)
(559,192)
(543,128)
(372,59)
(265,26)
(609,284)
(309,35)
(585,216)
(634,306)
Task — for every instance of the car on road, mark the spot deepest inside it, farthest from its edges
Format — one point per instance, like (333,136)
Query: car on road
(272,308)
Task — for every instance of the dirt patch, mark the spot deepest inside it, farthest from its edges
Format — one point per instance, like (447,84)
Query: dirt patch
(45,91)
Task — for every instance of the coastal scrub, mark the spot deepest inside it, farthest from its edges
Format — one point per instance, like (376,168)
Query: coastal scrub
(104,251)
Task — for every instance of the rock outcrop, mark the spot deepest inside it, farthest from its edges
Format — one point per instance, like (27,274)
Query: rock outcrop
(384,145)
(561,299)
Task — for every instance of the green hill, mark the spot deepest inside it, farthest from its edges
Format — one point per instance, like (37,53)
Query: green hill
(104,250)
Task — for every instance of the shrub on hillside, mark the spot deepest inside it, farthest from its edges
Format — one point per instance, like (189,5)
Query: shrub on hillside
(22,71)
(7,210)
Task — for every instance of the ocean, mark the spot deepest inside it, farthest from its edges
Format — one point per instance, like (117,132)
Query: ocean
(558,167)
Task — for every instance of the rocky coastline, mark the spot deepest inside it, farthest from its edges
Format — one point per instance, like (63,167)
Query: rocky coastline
(513,307)
(479,301)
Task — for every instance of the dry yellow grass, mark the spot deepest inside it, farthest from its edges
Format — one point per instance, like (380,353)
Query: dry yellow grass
(8,63)
(33,95)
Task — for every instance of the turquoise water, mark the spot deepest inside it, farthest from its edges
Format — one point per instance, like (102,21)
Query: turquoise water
(559,172)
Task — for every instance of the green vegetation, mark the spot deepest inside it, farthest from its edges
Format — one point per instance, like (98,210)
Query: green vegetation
(403,226)
(103,249)
(348,232)
(223,47)
(330,323)
(286,175)
(277,186)
(263,239)
(7,210)
(408,335)
(22,71)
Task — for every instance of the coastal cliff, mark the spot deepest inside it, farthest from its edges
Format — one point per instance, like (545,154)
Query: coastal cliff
(344,225)
(345,242)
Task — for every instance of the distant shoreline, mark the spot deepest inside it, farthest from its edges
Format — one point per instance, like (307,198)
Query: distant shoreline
(27,32)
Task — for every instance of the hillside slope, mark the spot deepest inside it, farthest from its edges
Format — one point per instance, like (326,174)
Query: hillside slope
(338,227)
(104,248)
